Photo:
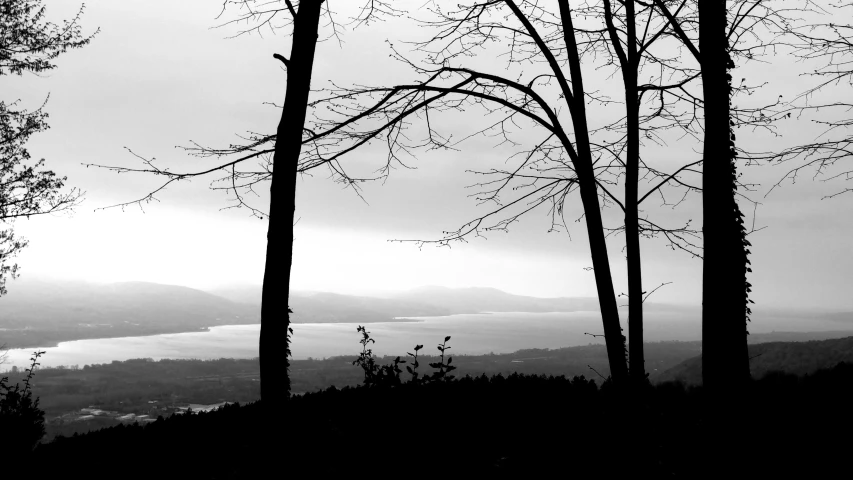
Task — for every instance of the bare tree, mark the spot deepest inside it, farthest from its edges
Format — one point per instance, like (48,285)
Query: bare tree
(302,19)
(542,172)
(275,314)
(629,61)
(721,29)
(724,286)
(551,168)
(633,51)
(28,44)
(356,117)
(670,103)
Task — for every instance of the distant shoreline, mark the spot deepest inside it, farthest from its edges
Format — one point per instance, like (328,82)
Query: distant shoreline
(54,342)
(354,322)
(422,318)
(57,337)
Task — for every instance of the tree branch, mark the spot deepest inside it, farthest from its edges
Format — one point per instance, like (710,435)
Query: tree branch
(283,60)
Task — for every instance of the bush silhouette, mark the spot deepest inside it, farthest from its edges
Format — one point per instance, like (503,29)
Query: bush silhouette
(389,375)
(21,419)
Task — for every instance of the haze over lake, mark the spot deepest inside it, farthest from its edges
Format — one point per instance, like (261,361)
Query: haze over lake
(472,334)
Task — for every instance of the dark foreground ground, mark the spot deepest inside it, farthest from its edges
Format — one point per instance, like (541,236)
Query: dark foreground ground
(521,426)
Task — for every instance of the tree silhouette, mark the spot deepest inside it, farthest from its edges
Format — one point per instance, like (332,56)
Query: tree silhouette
(541,38)
(329,139)
(21,419)
(283,148)
(725,291)
(29,44)
(632,52)
(275,314)
(522,98)
(752,30)
(629,62)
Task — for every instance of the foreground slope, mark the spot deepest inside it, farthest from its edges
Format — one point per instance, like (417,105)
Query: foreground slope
(514,427)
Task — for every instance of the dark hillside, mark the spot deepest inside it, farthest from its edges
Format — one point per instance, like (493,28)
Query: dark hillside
(315,374)
(517,426)
(798,358)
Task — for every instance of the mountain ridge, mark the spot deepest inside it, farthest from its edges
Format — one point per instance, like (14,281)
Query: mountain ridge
(38,313)
(456,300)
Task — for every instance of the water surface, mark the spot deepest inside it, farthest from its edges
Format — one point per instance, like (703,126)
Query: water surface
(472,334)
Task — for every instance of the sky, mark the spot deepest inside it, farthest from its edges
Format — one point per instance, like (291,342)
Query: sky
(159,75)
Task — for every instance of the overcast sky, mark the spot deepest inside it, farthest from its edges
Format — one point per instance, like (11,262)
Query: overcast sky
(158,76)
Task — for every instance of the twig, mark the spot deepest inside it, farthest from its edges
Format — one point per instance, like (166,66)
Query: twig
(596,371)
(653,291)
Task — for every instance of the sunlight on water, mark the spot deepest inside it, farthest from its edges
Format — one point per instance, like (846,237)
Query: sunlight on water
(472,334)
(230,341)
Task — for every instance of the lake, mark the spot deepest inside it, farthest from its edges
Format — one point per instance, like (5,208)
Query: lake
(472,334)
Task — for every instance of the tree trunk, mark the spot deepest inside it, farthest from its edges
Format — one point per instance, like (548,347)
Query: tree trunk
(629,66)
(613,337)
(274,349)
(725,359)
(636,357)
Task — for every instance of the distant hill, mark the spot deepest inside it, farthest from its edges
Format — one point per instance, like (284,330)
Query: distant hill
(439,301)
(797,358)
(42,313)
(325,307)
(335,308)
(244,293)
(845,317)
(476,300)
(796,336)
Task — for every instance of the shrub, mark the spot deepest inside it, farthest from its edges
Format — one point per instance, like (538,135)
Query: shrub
(21,419)
(389,375)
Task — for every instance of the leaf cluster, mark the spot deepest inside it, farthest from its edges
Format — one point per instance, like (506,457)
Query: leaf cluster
(26,189)
(29,43)
(389,375)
